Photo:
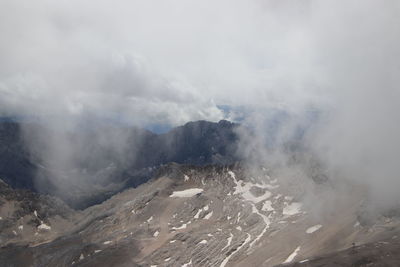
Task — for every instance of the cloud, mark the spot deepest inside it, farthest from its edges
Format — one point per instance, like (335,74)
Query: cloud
(146,62)
(174,60)
(356,60)
(360,59)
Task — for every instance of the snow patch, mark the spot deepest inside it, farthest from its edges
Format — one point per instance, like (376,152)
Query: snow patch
(292,209)
(203,241)
(107,242)
(44,226)
(196,216)
(187,264)
(183,226)
(266,221)
(292,256)
(156,233)
(208,216)
(185,178)
(187,193)
(244,188)
(225,261)
(288,198)
(229,239)
(314,228)
(267,206)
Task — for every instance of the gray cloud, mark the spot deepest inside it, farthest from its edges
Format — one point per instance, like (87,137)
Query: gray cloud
(173,60)
(361,64)
(356,59)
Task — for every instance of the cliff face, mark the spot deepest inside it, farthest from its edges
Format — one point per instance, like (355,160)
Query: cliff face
(16,167)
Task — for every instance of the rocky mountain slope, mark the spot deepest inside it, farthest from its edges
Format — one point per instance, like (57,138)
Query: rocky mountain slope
(380,253)
(197,216)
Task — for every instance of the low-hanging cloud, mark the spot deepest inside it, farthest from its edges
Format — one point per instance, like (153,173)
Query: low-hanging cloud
(361,64)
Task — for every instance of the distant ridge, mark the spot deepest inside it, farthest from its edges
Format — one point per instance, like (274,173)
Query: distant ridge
(21,165)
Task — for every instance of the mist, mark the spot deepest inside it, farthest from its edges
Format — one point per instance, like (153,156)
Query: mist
(140,63)
(358,137)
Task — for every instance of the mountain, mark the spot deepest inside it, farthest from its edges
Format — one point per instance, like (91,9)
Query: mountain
(16,167)
(212,215)
(86,166)
(112,196)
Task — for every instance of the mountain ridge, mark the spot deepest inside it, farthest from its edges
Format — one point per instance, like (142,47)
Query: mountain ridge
(99,158)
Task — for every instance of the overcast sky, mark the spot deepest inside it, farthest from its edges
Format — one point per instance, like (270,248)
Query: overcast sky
(156,61)
(172,61)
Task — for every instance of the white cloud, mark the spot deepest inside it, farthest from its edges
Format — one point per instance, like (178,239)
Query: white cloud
(73,57)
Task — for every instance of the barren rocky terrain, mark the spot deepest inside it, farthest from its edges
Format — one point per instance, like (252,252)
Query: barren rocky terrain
(197,216)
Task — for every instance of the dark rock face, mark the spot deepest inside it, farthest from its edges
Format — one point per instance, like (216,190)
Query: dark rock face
(201,143)
(104,161)
(16,168)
